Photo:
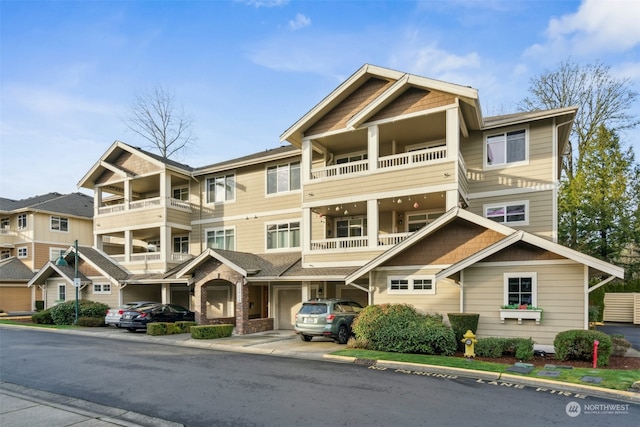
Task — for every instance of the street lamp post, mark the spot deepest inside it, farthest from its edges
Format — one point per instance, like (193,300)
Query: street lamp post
(76,279)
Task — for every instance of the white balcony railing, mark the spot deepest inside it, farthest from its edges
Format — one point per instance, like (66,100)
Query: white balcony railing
(177,256)
(339,170)
(152,256)
(339,243)
(413,157)
(145,203)
(392,239)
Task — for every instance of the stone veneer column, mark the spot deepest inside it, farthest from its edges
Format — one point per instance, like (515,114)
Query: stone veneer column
(242,308)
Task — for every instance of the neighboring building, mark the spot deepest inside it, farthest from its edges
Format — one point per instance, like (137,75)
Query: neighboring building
(394,188)
(34,231)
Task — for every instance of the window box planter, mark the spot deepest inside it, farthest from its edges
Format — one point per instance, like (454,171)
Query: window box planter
(517,313)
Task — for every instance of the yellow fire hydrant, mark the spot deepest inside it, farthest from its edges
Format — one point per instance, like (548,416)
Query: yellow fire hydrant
(469,339)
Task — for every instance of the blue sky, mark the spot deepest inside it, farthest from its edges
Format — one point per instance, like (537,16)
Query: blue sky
(248,69)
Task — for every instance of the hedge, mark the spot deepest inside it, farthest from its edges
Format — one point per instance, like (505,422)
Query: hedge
(205,332)
(42,318)
(461,323)
(65,312)
(522,348)
(578,344)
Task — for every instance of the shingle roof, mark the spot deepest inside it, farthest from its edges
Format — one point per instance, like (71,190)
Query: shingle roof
(261,265)
(298,271)
(76,204)
(103,262)
(14,270)
(250,157)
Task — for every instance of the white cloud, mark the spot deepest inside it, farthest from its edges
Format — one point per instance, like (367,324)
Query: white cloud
(300,21)
(597,27)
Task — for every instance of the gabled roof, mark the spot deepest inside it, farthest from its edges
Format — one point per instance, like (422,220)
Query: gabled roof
(13,270)
(66,272)
(251,159)
(73,204)
(401,82)
(247,264)
(528,116)
(116,149)
(511,237)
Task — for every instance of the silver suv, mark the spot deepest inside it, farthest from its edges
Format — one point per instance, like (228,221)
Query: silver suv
(326,318)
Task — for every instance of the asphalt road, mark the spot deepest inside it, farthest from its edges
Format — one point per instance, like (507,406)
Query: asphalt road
(211,388)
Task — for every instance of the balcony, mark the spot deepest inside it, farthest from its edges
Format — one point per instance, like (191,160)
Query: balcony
(384,241)
(152,257)
(154,202)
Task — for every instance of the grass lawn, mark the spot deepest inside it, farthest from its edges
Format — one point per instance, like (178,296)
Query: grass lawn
(615,379)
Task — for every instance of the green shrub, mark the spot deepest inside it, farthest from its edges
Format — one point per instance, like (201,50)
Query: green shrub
(594,313)
(42,318)
(91,322)
(355,342)
(521,348)
(65,312)
(619,345)
(400,328)
(205,332)
(578,344)
(157,328)
(185,326)
(461,323)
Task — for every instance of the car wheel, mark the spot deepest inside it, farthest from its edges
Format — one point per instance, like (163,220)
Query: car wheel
(131,329)
(343,335)
(305,338)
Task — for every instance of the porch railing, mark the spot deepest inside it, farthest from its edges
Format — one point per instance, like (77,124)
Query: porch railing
(341,169)
(413,157)
(339,243)
(392,239)
(145,203)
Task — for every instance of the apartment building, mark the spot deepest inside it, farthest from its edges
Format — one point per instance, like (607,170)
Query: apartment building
(33,231)
(394,188)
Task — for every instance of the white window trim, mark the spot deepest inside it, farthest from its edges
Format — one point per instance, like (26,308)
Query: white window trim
(26,221)
(427,220)
(281,193)
(225,175)
(504,131)
(235,236)
(181,237)
(180,188)
(101,286)
(59,219)
(534,286)
(26,251)
(505,205)
(351,154)
(284,221)
(411,290)
(61,286)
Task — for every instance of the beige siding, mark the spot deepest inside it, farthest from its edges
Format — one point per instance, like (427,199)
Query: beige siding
(619,307)
(132,219)
(537,173)
(141,293)
(388,181)
(540,210)
(355,258)
(560,295)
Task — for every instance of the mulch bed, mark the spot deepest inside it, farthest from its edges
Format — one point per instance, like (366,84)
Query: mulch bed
(539,362)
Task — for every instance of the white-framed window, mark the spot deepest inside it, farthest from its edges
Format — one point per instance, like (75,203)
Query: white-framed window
(23,252)
(351,227)
(283,235)
(59,223)
(511,213)
(102,288)
(351,157)
(5,223)
(62,292)
(54,253)
(181,193)
(5,253)
(520,288)
(221,238)
(506,147)
(283,178)
(417,220)
(181,244)
(221,188)
(411,285)
(22,221)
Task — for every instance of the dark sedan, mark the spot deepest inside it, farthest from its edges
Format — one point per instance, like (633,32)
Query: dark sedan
(138,318)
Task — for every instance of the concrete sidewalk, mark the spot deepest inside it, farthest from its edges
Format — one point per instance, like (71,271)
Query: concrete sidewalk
(20,406)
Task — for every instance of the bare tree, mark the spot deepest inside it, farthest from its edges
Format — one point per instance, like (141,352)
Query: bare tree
(154,116)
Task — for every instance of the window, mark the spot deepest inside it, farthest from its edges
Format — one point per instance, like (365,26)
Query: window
(520,288)
(5,253)
(221,189)
(62,292)
(221,239)
(350,158)
(283,178)
(508,147)
(22,252)
(22,221)
(516,213)
(352,227)
(181,193)
(54,253)
(59,223)
(4,223)
(102,288)
(181,244)
(413,285)
(415,221)
(285,235)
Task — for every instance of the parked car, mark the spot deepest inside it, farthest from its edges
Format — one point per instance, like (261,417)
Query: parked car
(326,318)
(114,314)
(139,318)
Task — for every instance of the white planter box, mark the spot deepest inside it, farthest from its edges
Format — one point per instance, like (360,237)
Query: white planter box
(520,314)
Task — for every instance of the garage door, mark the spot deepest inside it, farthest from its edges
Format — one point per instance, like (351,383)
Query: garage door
(289,302)
(15,299)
